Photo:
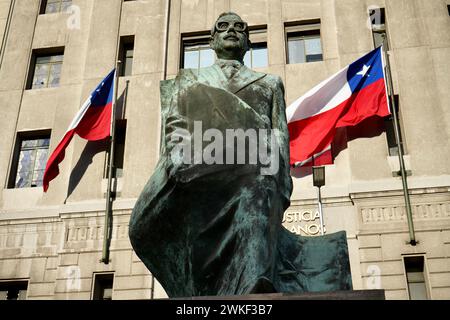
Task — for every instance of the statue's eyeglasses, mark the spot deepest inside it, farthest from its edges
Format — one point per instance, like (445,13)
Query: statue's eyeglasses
(239,26)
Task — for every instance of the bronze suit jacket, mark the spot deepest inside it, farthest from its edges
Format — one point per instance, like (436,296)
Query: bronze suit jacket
(262,92)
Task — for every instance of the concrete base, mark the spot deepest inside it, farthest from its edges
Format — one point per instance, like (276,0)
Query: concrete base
(337,295)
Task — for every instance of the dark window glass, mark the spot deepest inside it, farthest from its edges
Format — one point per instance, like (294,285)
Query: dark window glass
(30,160)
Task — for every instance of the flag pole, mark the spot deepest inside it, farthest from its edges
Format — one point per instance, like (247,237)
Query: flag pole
(109,195)
(322,226)
(403,173)
(107,232)
(319,181)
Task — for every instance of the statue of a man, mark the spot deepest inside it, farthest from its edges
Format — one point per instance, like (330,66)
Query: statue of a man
(208,222)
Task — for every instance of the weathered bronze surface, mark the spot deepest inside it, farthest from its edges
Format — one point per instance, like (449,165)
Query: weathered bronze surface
(215,229)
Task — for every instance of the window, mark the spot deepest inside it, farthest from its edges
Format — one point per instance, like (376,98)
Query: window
(197,52)
(54,6)
(415,275)
(30,158)
(303,43)
(14,290)
(257,56)
(119,151)
(126,55)
(448,9)
(390,131)
(103,286)
(46,68)
(379,29)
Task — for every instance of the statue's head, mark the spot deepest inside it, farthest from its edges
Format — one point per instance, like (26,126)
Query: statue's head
(229,37)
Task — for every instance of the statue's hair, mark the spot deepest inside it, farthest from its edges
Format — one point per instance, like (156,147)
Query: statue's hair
(230,13)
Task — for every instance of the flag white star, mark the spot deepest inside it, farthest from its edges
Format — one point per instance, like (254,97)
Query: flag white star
(100,88)
(364,71)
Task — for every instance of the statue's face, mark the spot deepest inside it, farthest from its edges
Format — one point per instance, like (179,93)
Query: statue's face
(230,39)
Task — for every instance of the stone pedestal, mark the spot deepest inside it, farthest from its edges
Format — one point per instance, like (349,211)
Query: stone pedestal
(337,295)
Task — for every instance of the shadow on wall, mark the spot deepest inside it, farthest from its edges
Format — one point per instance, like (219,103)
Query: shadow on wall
(369,128)
(92,148)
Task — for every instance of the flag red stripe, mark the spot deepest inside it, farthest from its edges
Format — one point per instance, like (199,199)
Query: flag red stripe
(52,169)
(312,135)
(96,123)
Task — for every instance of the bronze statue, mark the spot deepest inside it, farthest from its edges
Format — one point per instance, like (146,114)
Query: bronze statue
(208,223)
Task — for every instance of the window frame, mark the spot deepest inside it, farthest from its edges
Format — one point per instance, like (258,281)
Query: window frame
(21,136)
(120,142)
(121,127)
(199,39)
(258,36)
(381,28)
(44,3)
(15,283)
(97,279)
(390,130)
(41,53)
(125,43)
(425,274)
(303,30)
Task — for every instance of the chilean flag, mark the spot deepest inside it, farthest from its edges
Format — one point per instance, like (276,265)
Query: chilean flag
(352,95)
(92,122)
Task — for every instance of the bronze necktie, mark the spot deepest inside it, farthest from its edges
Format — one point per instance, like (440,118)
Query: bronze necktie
(230,70)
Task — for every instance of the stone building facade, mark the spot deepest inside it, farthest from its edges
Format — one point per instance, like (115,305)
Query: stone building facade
(55,52)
